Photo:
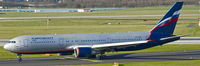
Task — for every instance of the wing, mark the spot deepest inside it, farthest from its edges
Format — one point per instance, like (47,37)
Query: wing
(124,44)
(121,44)
(109,45)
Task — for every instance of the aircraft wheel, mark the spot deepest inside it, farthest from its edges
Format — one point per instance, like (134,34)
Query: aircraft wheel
(99,57)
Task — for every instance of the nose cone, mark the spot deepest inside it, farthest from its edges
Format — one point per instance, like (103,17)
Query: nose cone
(7,47)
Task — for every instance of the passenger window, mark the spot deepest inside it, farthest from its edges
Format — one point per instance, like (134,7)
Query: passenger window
(12,42)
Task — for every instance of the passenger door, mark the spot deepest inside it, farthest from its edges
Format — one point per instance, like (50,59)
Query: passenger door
(61,42)
(25,42)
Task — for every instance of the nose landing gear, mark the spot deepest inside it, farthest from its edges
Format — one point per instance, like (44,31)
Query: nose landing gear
(19,58)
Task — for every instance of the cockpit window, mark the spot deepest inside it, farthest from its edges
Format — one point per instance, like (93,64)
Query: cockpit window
(12,42)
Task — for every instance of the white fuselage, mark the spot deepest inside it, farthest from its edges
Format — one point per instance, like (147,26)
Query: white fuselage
(63,42)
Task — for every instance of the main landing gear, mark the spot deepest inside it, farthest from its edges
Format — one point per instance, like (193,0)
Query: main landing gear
(19,58)
(100,56)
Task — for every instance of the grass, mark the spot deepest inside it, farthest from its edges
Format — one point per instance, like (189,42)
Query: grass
(14,28)
(161,63)
(129,11)
(6,54)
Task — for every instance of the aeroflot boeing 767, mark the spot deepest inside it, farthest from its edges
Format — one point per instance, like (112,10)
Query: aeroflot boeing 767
(96,44)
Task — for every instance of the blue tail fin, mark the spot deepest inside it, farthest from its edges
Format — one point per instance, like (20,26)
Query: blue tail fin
(165,27)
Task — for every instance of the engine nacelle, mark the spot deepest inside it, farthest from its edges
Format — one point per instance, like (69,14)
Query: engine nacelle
(83,52)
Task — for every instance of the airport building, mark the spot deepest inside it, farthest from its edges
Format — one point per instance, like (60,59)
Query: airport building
(29,3)
(14,0)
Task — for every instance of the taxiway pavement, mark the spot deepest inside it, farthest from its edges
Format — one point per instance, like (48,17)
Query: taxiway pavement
(137,57)
(18,18)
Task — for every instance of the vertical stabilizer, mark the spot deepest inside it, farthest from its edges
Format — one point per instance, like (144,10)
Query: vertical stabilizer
(165,27)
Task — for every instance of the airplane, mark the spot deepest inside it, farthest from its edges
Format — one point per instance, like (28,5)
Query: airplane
(94,45)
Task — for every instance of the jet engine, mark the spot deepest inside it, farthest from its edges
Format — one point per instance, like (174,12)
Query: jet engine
(81,52)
